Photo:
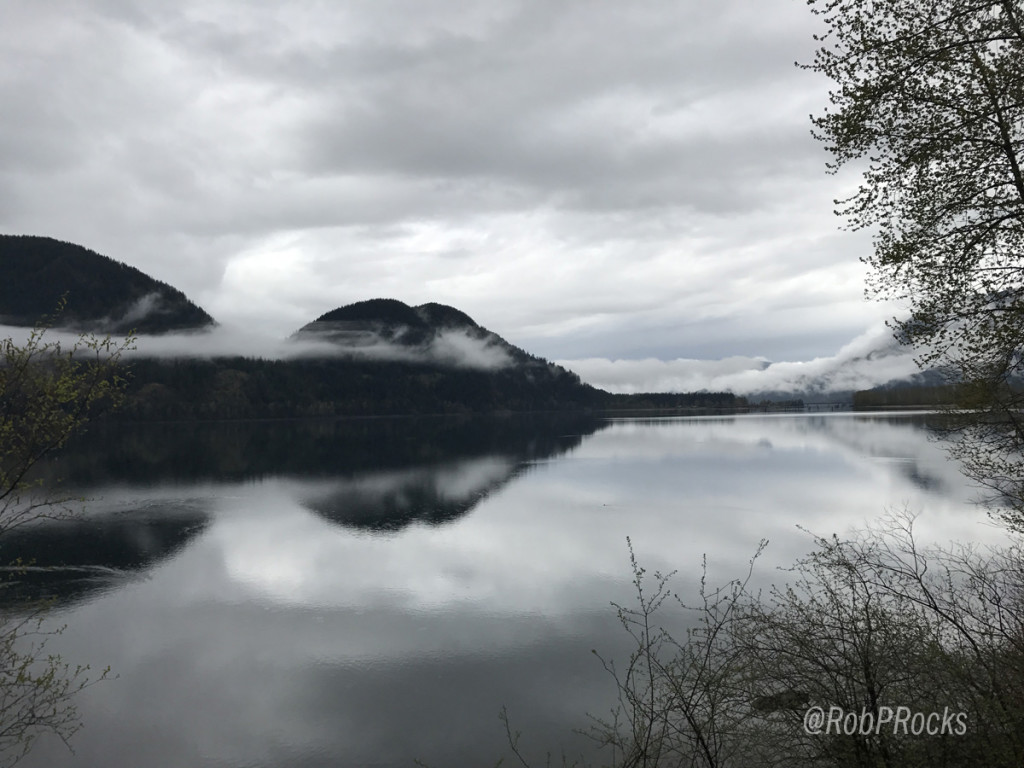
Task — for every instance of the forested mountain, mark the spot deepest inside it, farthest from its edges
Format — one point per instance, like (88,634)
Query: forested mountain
(375,357)
(102,294)
(434,333)
(380,357)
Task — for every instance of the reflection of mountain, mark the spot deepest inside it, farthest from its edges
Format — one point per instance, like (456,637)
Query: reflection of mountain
(68,559)
(378,474)
(390,501)
(148,454)
(879,438)
(920,476)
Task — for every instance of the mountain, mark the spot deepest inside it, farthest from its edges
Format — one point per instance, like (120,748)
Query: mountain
(374,357)
(429,333)
(103,295)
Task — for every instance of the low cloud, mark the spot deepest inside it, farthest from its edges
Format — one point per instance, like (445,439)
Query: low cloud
(144,306)
(463,349)
(871,359)
(452,347)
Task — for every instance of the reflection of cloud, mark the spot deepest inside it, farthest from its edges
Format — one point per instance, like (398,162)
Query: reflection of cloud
(869,360)
(389,501)
(679,488)
(859,438)
(470,478)
(554,539)
(276,628)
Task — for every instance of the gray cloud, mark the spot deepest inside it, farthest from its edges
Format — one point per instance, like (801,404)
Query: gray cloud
(586,178)
(869,360)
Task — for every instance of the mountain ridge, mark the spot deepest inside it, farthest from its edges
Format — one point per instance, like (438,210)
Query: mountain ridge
(99,293)
(433,332)
(370,358)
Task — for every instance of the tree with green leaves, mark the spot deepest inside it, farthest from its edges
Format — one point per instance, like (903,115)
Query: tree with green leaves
(929,103)
(48,392)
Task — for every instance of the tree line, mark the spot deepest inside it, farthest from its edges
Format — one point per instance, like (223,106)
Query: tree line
(239,388)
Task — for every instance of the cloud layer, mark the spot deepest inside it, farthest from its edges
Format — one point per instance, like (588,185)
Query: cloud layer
(869,360)
(614,180)
(452,347)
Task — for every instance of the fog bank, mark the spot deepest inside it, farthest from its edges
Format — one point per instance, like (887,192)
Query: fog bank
(870,360)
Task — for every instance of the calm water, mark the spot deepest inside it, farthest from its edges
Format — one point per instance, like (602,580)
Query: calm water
(373,592)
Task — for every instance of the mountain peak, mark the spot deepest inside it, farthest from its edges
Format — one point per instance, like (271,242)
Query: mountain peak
(430,333)
(386,311)
(443,316)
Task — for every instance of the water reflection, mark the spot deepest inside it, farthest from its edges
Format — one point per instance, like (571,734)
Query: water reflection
(154,454)
(373,593)
(389,501)
(67,560)
(372,474)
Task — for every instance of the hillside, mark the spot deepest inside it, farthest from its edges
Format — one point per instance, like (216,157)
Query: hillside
(374,357)
(429,333)
(379,357)
(103,295)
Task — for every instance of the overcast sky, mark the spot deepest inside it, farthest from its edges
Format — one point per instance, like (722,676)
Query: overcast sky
(591,179)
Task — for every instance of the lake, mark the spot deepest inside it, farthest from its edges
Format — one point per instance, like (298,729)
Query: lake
(372,592)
